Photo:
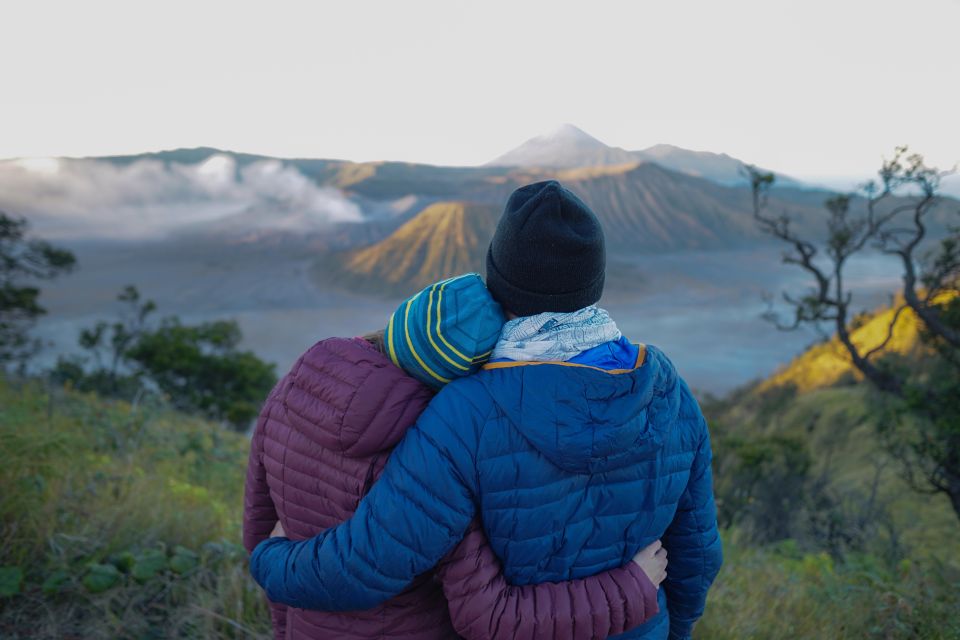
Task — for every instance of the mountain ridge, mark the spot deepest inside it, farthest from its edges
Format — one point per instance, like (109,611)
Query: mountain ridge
(642,207)
(440,241)
(568,146)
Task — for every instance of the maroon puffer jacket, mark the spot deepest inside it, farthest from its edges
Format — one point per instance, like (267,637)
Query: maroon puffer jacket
(323,438)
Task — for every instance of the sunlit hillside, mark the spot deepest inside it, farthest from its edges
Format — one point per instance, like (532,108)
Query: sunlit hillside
(442,240)
(828,362)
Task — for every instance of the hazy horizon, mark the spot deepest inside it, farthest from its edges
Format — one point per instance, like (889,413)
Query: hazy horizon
(840,182)
(459,84)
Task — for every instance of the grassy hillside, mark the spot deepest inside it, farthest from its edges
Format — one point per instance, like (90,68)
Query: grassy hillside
(825,537)
(897,574)
(119,522)
(781,592)
(837,426)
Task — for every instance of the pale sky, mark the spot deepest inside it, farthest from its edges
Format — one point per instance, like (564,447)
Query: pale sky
(809,88)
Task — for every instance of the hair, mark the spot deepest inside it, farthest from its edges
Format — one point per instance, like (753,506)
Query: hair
(377,340)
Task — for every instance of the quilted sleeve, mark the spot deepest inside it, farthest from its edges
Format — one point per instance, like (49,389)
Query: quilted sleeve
(693,543)
(278,615)
(259,513)
(415,513)
(483,605)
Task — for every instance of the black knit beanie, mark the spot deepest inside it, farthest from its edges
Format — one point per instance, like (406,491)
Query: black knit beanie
(547,253)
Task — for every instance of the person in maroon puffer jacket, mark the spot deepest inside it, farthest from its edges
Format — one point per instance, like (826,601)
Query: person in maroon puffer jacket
(323,438)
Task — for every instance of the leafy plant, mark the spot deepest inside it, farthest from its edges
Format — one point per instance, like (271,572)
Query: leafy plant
(148,564)
(122,485)
(183,560)
(54,582)
(101,577)
(10,579)
(199,368)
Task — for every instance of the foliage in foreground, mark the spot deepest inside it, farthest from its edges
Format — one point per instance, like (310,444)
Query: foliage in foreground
(200,368)
(780,592)
(824,536)
(119,522)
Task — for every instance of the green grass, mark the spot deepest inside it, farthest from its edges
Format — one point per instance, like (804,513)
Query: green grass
(782,593)
(95,488)
(838,426)
(904,584)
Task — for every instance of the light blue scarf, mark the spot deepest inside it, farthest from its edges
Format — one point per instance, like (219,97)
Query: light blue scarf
(555,336)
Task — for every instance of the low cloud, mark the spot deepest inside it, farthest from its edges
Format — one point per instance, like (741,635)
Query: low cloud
(65,198)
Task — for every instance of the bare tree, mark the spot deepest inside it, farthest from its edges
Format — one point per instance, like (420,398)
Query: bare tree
(890,215)
(940,269)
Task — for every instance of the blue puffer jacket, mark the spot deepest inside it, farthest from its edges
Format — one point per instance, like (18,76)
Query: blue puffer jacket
(573,469)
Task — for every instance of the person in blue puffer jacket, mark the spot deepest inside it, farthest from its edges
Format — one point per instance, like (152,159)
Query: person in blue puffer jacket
(576,447)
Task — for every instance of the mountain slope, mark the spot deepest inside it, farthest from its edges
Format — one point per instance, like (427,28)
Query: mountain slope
(569,147)
(642,206)
(716,167)
(443,240)
(228,198)
(645,207)
(564,146)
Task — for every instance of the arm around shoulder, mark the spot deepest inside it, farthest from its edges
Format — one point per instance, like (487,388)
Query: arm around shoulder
(415,513)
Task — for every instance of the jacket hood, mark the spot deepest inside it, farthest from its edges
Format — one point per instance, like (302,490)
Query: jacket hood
(587,420)
(348,397)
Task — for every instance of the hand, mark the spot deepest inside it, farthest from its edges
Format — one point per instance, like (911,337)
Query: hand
(653,561)
(278,531)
